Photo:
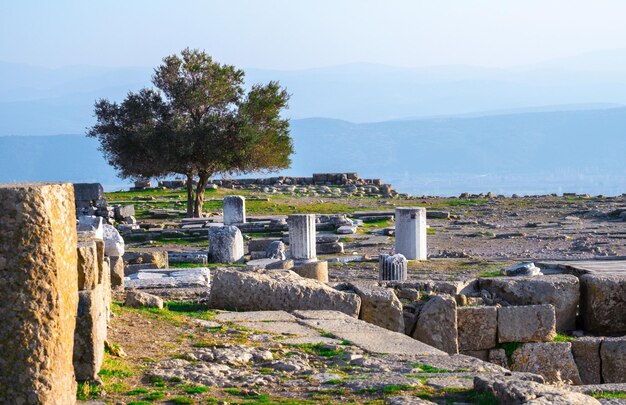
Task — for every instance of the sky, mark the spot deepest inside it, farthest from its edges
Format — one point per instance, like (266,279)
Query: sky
(300,34)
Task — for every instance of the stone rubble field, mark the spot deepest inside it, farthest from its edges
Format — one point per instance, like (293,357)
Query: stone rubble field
(379,298)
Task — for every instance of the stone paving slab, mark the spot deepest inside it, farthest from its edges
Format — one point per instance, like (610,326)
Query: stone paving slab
(613,267)
(313,340)
(335,326)
(283,328)
(256,316)
(313,314)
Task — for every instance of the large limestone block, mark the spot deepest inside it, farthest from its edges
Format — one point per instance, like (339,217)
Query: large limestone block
(159,258)
(478,327)
(586,351)
(562,291)
(117,272)
(613,355)
(113,241)
(379,306)
(138,299)
(89,264)
(272,290)
(603,303)
(38,293)
(553,361)
(225,244)
(90,334)
(437,324)
(530,323)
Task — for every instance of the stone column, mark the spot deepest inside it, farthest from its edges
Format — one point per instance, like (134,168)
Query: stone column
(302,237)
(392,268)
(234,210)
(225,244)
(38,293)
(411,232)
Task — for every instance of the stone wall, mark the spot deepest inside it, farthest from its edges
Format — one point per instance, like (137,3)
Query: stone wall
(38,293)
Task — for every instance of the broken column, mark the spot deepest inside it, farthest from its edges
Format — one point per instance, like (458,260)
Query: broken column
(38,293)
(225,244)
(302,247)
(302,237)
(234,210)
(392,267)
(411,232)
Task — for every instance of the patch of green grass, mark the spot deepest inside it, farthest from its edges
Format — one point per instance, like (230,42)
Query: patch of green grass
(430,231)
(137,391)
(198,389)
(481,398)
(86,391)
(494,273)
(190,309)
(181,400)
(155,396)
(334,382)
(608,395)
(510,348)
(562,338)
(427,368)
(320,349)
(157,382)
(185,265)
(138,403)
(233,391)
(460,203)
(393,389)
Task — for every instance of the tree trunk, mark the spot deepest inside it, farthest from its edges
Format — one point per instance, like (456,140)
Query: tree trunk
(189,195)
(200,189)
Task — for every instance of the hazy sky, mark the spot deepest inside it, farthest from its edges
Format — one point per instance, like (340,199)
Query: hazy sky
(290,34)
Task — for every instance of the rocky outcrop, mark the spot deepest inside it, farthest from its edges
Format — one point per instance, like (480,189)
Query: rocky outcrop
(38,293)
(271,290)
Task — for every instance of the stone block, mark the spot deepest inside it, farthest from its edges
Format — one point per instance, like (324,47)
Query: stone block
(160,258)
(234,210)
(89,264)
(437,324)
(117,272)
(122,212)
(260,244)
(225,244)
(530,323)
(38,293)
(379,306)
(138,299)
(90,227)
(283,290)
(316,270)
(562,291)
(498,356)
(88,192)
(90,333)
(276,250)
(477,327)
(329,248)
(603,303)
(613,355)
(113,241)
(478,354)
(586,351)
(553,361)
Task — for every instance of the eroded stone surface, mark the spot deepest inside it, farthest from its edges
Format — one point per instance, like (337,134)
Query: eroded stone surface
(586,351)
(437,324)
(39,293)
(284,290)
(603,303)
(477,327)
(554,361)
(379,306)
(529,323)
(613,355)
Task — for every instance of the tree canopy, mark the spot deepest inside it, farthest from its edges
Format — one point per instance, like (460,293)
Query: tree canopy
(197,121)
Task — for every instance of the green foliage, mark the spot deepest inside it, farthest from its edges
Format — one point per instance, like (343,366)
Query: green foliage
(181,400)
(137,391)
(510,348)
(494,273)
(562,338)
(320,349)
(197,121)
(608,395)
(427,368)
(155,395)
(198,389)
(85,391)
(457,203)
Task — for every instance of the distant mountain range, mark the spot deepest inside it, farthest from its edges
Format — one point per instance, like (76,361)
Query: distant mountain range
(525,153)
(41,101)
